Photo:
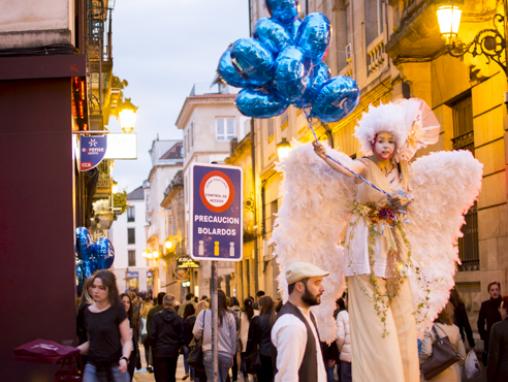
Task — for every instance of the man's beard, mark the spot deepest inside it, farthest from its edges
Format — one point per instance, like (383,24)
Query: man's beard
(309,299)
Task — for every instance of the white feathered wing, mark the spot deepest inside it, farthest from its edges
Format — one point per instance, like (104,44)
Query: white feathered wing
(444,186)
(316,202)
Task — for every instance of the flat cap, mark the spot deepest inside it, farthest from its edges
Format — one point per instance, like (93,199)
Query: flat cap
(299,270)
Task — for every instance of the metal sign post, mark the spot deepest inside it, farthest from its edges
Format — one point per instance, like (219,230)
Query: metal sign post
(216,231)
(215,322)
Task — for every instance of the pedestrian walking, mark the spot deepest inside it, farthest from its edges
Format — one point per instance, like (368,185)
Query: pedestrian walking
(189,318)
(460,318)
(109,339)
(134,357)
(145,308)
(444,326)
(234,307)
(260,349)
(497,367)
(152,312)
(166,338)
(344,341)
(246,316)
(295,334)
(488,316)
(226,337)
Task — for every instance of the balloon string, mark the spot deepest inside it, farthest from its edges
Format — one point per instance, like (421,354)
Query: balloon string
(353,173)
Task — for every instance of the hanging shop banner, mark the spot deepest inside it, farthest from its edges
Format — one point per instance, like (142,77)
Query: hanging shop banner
(216,212)
(91,151)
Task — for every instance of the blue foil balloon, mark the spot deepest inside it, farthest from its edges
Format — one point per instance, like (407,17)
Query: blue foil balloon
(253,61)
(293,29)
(313,36)
(229,73)
(260,104)
(319,75)
(282,10)
(291,69)
(87,269)
(83,241)
(336,99)
(272,35)
(104,253)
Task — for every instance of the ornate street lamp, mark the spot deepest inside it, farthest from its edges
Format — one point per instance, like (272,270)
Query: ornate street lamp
(490,42)
(127,116)
(283,149)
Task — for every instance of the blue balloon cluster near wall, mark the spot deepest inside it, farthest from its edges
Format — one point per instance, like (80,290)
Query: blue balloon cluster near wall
(283,64)
(91,256)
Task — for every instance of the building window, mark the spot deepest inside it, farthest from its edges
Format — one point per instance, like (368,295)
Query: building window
(131,214)
(463,139)
(191,135)
(343,34)
(269,212)
(131,236)
(225,129)
(132,258)
(374,19)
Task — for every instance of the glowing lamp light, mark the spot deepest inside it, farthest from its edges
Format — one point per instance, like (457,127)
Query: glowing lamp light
(168,244)
(127,116)
(448,18)
(283,149)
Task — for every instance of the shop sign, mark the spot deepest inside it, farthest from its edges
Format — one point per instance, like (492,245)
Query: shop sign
(91,151)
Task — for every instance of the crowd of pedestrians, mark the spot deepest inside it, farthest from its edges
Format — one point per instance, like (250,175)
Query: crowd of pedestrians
(262,340)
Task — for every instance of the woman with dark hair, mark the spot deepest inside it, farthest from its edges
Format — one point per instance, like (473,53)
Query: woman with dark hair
(226,337)
(497,367)
(127,304)
(189,318)
(248,312)
(444,326)
(109,342)
(460,318)
(259,341)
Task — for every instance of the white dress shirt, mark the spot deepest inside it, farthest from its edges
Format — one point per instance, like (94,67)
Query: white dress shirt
(289,336)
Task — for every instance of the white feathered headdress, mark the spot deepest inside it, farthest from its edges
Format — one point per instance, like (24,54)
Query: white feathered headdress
(411,122)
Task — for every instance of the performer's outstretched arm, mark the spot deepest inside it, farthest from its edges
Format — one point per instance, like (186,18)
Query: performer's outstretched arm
(354,165)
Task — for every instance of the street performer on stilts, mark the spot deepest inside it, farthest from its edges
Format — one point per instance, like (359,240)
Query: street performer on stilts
(387,226)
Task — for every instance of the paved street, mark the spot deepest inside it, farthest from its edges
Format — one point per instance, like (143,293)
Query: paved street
(144,376)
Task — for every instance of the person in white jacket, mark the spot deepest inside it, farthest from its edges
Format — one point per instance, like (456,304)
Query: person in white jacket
(344,341)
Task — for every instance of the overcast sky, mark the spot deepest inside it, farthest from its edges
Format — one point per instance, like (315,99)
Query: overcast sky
(163,47)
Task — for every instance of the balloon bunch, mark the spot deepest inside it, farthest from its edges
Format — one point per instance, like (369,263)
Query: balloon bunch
(283,64)
(91,256)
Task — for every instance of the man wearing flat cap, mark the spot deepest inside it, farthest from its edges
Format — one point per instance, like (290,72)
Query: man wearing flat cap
(295,333)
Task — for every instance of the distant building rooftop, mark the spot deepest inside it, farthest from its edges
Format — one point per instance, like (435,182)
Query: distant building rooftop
(174,152)
(137,194)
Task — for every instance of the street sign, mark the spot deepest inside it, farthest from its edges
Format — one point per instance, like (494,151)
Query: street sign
(91,151)
(216,231)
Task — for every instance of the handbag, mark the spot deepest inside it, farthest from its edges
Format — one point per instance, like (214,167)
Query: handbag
(443,356)
(196,353)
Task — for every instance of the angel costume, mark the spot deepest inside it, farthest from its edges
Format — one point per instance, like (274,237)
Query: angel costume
(399,263)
